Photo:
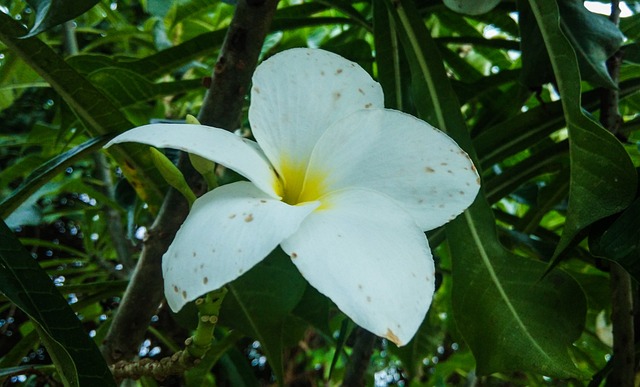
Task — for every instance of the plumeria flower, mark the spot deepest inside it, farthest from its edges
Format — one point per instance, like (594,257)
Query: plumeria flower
(345,187)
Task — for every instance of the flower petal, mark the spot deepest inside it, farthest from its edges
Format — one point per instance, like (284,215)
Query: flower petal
(227,232)
(398,155)
(366,253)
(219,145)
(298,94)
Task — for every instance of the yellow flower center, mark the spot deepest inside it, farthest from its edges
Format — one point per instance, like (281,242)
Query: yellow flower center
(299,184)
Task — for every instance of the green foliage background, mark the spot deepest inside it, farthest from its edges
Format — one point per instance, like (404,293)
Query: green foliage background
(524,279)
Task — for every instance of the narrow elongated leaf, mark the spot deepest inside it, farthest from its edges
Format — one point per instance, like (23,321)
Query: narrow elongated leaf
(167,60)
(603,179)
(29,287)
(501,308)
(93,107)
(259,305)
(592,37)
(507,138)
(46,171)
(621,241)
(388,57)
(50,13)
(125,87)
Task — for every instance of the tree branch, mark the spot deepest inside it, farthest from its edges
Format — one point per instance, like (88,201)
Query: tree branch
(222,108)
(359,359)
(623,361)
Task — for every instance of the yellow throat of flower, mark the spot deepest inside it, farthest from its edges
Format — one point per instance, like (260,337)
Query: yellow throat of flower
(300,185)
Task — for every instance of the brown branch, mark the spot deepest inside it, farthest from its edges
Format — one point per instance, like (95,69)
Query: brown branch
(359,359)
(222,108)
(623,360)
(238,58)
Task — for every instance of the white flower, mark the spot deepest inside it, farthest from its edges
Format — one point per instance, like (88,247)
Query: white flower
(344,186)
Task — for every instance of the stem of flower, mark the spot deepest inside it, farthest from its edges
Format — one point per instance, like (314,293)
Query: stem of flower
(208,310)
(197,346)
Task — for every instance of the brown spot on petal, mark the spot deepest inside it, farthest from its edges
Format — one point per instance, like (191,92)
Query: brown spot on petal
(232,216)
(262,201)
(360,286)
(257,90)
(248,218)
(175,289)
(367,106)
(184,294)
(429,169)
(368,299)
(294,255)
(205,280)
(338,71)
(360,91)
(194,254)
(336,96)
(444,164)
(392,337)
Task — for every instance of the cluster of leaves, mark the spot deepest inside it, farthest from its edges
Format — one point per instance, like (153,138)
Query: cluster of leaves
(523,273)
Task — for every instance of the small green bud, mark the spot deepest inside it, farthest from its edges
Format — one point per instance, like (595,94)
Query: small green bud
(172,174)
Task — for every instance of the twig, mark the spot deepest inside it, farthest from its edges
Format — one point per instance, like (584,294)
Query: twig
(114,220)
(196,346)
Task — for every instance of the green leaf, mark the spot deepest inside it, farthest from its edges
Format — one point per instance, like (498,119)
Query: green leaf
(620,242)
(507,138)
(91,105)
(46,172)
(30,288)
(15,78)
(393,71)
(502,308)
(125,87)
(593,37)
(471,7)
(603,179)
(50,13)
(260,302)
